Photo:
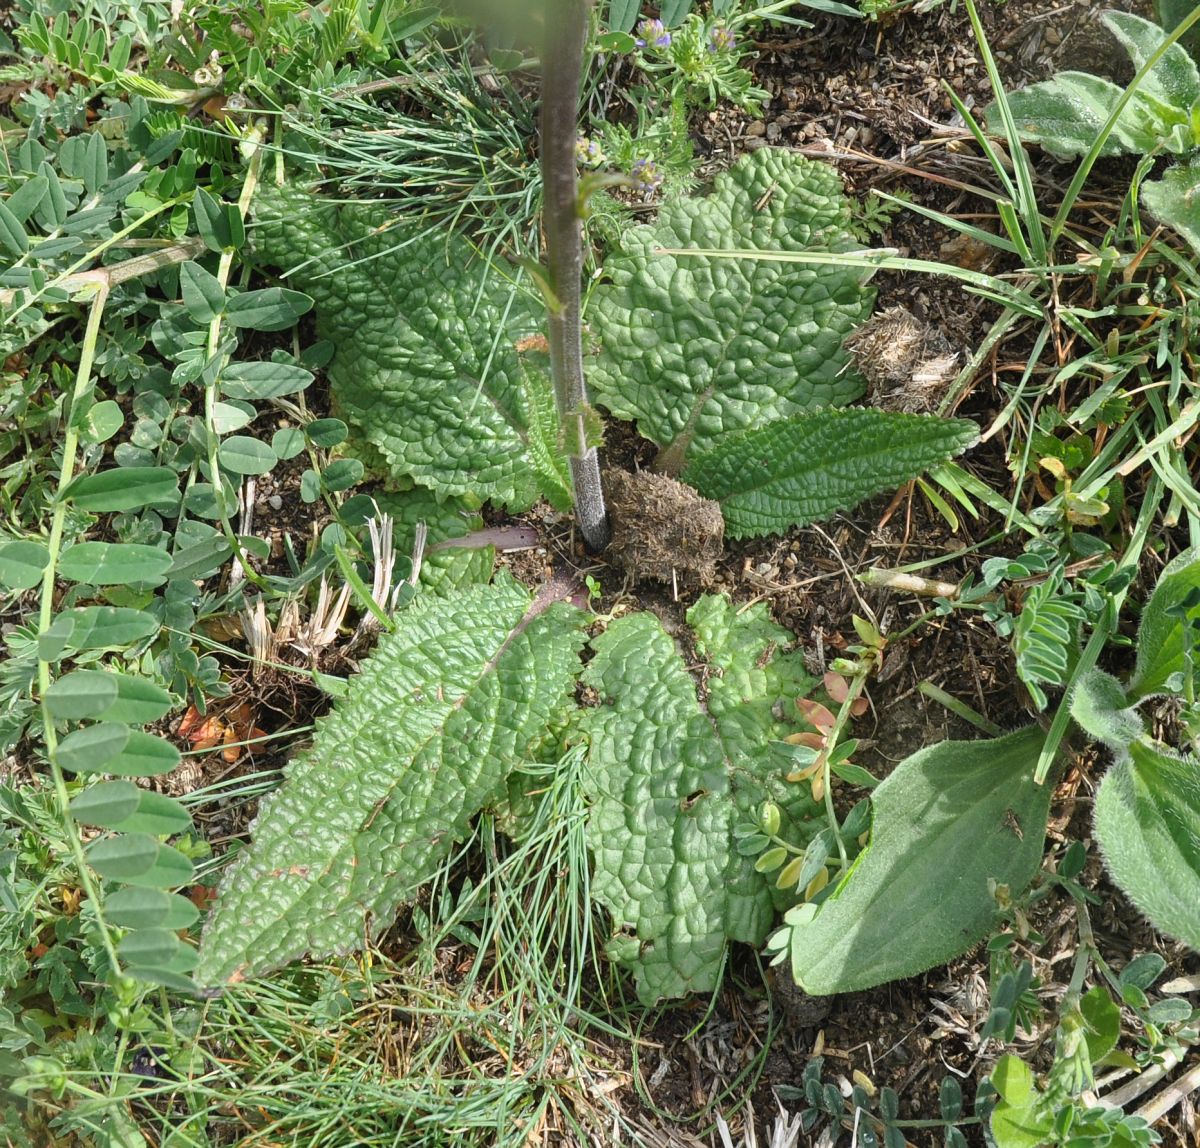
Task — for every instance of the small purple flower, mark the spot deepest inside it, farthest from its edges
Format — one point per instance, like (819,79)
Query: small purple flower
(645,174)
(588,151)
(653,32)
(721,40)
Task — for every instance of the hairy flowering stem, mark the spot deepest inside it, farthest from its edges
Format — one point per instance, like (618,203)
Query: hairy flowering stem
(562,68)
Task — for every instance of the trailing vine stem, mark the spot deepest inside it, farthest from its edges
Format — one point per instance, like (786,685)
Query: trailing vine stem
(215,366)
(83,378)
(562,68)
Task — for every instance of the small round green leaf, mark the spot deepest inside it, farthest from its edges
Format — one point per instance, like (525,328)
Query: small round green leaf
(22,564)
(170,870)
(342,474)
(149,947)
(91,749)
(242,454)
(228,418)
(82,694)
(199,561)
(123,857)
(135,908)
(156,814)
(114,564)
(287,442)
(102,421)
(107,803)
(326,432)
(310,486)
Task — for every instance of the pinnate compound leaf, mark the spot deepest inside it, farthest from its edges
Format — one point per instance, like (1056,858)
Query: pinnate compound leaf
(797,470)
(949,819)
(1169,630)
(437,718)
(695,348)
(1148,826)
(673,778)
(426,365)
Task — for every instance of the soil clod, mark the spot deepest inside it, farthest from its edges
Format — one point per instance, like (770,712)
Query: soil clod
(662,529)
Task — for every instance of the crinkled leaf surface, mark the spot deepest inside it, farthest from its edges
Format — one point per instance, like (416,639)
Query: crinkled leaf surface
(946,820)
(797,470)
(434,722)
(426,365)
(1148,826)
(1162,657)
(695,348)
(672,777)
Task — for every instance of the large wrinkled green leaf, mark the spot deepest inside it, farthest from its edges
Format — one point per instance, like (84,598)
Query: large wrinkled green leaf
(672,776)
(795,471)
(696,348)
(1165,645)
(1148,826)
(434,722)
(426,366)
(947,821)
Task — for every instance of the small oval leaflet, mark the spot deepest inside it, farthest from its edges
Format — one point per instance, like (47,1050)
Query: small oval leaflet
(114,564)
(22,564)
(134,908)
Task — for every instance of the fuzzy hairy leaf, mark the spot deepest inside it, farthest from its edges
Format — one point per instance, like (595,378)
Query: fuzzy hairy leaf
(1099,705)
(426,365)
(1166,638)
(797,470)
(695,348)
(672,778)
(1063,115)
(1148,826)
(947,820)
(1175,199)
(434,722)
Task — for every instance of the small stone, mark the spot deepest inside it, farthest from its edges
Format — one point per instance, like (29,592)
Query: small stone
(756,129)
(275,502)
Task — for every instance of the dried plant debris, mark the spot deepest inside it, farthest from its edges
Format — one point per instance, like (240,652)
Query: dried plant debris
(662,529)
(907,363)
